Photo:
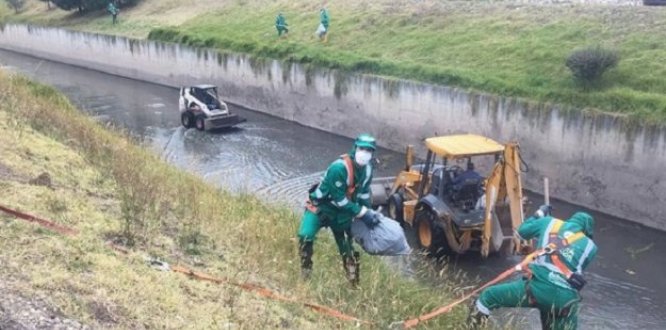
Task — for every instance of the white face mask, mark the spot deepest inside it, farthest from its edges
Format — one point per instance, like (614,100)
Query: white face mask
(362,157)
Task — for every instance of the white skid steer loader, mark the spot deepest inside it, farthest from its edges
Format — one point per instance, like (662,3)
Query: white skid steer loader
(201,107)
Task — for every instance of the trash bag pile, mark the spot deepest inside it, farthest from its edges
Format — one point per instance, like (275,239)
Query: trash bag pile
(387,238)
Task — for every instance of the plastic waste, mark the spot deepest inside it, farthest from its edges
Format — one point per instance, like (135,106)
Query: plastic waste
(387,238)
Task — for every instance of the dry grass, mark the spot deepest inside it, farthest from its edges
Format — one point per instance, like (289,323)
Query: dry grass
(80,275)
(103,182)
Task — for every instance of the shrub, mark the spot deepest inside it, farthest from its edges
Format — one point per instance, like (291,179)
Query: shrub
(16,4)
(87,5)
(589,64)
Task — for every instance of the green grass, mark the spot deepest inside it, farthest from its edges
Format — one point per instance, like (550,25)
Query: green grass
(504,48)
(109,188)
(489,47)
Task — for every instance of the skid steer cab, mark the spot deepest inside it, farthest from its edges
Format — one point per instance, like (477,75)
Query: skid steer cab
(452,208)
(201,107)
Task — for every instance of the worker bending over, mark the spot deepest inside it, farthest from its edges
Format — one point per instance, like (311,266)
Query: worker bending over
(553,281)
(342,196)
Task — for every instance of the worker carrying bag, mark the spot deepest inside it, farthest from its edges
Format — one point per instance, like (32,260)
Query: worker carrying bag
(386,238)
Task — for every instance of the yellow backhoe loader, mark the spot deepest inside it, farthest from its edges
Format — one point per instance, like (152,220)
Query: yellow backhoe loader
(453,216)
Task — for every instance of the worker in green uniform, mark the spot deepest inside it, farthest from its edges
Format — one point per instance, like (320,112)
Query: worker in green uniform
(323,24)
(113,10)
(553,281)
(281,25)
(342,196)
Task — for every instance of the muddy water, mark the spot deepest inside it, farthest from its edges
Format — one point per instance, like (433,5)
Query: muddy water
(279,159)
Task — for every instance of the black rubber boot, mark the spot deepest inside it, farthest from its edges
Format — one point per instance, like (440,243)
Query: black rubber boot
(352,268)
(305,250)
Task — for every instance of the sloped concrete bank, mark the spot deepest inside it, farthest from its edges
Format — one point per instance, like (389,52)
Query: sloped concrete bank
(599,161)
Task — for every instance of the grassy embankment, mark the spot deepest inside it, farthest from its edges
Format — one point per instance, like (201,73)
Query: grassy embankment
(102,182)
(504,48)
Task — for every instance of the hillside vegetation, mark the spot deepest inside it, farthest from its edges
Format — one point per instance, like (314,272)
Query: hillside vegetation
(501,47)
(111,190)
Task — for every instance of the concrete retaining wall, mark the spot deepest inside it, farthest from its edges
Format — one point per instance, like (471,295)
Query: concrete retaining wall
(598,161)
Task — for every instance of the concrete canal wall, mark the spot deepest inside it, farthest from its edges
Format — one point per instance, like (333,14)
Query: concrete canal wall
(595,160)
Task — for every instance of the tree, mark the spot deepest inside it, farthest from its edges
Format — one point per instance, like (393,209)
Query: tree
(16,4)
(88,5)
(48,3)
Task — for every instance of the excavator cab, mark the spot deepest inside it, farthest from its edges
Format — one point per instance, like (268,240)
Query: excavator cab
(454,212)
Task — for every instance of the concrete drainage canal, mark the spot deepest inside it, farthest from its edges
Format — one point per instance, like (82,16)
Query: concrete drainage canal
(278,160)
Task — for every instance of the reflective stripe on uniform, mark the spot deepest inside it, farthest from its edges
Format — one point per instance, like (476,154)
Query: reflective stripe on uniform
(364,196)
(318,194)
(368,173)
(544,239)
(588,250)
(342,202)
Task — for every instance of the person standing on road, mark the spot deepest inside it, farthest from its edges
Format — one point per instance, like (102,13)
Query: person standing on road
(281,25)
(324,19)
(342,196)
(113,10)
(552,282)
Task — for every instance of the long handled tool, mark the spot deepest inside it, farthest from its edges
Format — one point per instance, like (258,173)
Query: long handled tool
(546,195)
(408,324)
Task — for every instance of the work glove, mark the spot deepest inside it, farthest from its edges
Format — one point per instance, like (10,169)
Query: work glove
(544,210)
(369,217)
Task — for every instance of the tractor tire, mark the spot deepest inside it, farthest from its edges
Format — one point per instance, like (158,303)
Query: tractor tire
(187,119)
(430,234)
(200,123)
(395,208)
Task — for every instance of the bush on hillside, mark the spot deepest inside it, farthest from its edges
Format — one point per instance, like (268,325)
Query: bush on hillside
(16,4)
(48,3)
(589,64)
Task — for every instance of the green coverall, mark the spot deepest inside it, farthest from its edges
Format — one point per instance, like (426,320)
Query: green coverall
(113,10)
(335,209)
(323,18)
(281,24)
(550,292)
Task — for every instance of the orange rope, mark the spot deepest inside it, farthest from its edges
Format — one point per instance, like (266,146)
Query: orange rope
(267,293)
(42,222)
(264,292)
(407,324)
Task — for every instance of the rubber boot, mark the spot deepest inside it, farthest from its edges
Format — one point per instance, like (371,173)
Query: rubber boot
(352,268)
(305,250)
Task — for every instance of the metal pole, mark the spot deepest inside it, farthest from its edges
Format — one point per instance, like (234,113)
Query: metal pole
(546,195)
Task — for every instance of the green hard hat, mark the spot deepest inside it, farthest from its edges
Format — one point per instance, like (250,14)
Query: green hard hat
(365,140)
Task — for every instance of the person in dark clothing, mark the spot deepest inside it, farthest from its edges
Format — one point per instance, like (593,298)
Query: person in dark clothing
(281,25)
(113,10)
(469,174)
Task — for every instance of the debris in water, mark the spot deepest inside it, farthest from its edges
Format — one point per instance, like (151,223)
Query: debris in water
(630,272)
(635,252)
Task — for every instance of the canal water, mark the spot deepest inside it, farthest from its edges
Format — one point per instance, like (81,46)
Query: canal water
(278,160)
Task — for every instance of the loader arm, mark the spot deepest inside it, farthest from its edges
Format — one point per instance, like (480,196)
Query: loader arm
(504,183)
(514,188)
